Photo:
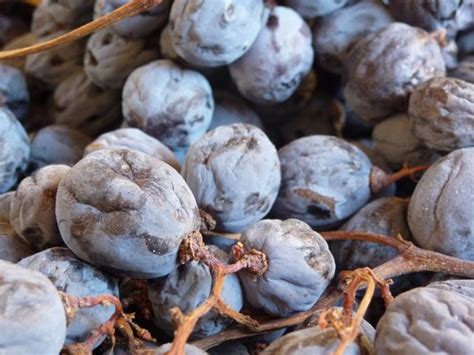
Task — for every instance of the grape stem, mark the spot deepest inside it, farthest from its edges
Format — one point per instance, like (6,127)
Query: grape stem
(344,323)
(131,8)
(193,248)
(410,259)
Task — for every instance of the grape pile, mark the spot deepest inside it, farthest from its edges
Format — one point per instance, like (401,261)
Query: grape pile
(237,177)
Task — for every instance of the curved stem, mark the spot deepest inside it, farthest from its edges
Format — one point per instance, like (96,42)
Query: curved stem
(356,321)
(411,258)
(131,8)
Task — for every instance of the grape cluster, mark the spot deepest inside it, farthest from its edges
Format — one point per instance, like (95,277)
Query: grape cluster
(237,177)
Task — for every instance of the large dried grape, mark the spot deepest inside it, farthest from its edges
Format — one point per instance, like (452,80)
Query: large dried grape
(234,173)
(300,267)
(214,32)
(440,214)
(324,181)
(125,211)
(169,103)
(386,66)
(278,61)
(428,320)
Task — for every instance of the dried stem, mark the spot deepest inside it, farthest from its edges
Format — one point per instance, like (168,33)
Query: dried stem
(193,248)
(119,319)
(131,8)
(353,324)
(411,259)
(345,325)
(380,180)
(185,323)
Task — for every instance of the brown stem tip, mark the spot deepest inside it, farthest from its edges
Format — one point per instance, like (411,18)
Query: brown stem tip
(380,180)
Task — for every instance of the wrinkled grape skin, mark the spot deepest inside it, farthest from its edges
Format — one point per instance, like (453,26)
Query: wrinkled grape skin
(440,214)
(55,65)
(132,138)
(384,216)
(300,267)
(169,103)
(13,91)
(57,144)
(80,104)
(53,15)
(104,225)
(71,275)
(324,181)
(108,60)
(15,152)
(440,114)
(187,287)
(285,45)
(335,34)
(32,211)
(385,67)
(32,317)
(432,319)
(234,173)
(214,32)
